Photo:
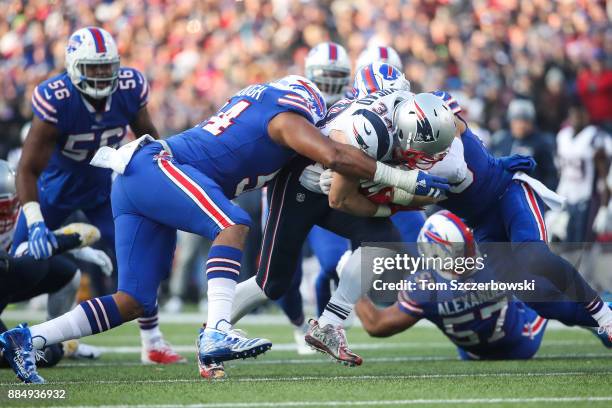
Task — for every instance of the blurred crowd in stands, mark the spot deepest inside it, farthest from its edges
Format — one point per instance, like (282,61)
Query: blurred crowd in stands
(518,68)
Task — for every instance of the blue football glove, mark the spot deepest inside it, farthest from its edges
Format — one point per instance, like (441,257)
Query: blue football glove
(41,241)
(430,185)
(518,162)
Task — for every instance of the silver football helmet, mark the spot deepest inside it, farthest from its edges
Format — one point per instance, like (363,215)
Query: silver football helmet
(425,128)
(9,204)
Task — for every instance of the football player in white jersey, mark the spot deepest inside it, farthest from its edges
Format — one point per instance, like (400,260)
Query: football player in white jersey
(583,151)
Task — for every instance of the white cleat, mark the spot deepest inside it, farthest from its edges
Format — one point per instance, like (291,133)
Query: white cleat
(303,349)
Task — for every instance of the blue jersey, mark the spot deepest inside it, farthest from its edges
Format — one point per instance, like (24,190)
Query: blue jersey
(485,183)
(485,324)
(233,147)
(68,181)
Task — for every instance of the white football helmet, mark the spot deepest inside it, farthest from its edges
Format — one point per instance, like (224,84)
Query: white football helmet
(444,235)
(379,54)
(92,62)
(9,204)
(367,131)
(307,90)
(425,128)
(328,65)
(376,76)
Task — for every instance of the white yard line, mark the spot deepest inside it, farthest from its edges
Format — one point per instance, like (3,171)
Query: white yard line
(326,378)
(278,404)
(88,363)
(355,346)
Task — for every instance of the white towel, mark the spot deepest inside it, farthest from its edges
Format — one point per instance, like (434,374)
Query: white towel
(553,200)
(118,159)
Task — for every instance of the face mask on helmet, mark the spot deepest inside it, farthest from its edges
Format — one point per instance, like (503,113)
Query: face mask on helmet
(331,81)
(9,209)
(425,128)
(98,79)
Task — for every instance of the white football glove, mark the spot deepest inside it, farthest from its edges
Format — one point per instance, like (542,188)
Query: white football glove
(95,256)
(309,178)
(325,181)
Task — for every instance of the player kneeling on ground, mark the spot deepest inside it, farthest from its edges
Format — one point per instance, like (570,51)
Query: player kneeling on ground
(23,277)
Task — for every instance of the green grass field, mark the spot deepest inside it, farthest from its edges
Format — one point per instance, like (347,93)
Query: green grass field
(417,368)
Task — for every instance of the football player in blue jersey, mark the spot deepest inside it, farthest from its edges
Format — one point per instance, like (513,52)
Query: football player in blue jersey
(501,203)
(187,182)
(483,324)
(88,106)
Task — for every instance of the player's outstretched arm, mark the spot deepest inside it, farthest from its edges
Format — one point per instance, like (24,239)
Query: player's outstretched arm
(294,131)
(37,150)
(143,125)
(382,322)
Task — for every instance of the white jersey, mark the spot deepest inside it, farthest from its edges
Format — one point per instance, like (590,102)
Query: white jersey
(575,154)
(367,124)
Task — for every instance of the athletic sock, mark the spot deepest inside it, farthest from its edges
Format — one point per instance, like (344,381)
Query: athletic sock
(222,272)
(248,296)
(90,317)
(600,312)
(149,329)
(346,295)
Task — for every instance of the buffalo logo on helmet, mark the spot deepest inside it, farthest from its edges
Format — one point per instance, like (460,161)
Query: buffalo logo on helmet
(73,43)
(424,131)
(388,72)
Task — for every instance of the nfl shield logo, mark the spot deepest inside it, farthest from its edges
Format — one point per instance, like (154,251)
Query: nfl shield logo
(300,197)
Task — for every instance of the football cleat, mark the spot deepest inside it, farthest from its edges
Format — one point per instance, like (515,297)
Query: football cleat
(331,340)
(88,234)
(602,335)
(298,334)
(216,346)
(19,352)
(160,352)
(75,349)
(213,371)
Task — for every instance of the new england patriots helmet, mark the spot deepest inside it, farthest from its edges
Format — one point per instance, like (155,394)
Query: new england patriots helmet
(376,76)
(92,62)
(445,236)
(425,127)
(307,90)
(379,53)
(328,66)
(9,204)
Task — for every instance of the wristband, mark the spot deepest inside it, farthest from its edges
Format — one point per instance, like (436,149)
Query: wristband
(401,197)
(391,176)
(382,211)
(31,211)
